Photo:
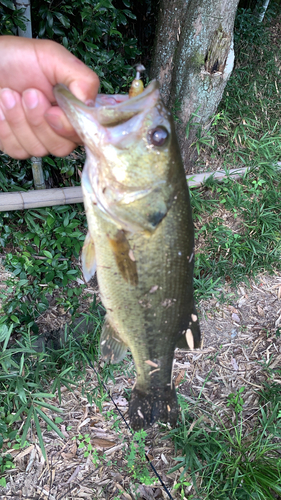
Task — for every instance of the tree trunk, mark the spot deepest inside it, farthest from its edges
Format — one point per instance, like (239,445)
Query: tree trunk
(193,59)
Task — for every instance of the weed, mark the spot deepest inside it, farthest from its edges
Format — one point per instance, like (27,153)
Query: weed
(236,401)
(230,463)
(84,442)
(250,242)
(136,459)
(181,485)
(6,460)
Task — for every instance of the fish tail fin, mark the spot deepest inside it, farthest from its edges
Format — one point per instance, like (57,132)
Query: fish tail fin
(147,408)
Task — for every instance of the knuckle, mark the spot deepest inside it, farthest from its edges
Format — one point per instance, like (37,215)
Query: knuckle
(16,152)
(62,149)
(38,150)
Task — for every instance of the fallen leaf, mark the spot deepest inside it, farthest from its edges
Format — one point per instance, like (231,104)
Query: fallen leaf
(71,451)
(179,378)
(121,401)
(103,443)
(63,430)
(234,364)
(261,311)
(151,363)
(233,309)
(145,492)
(235,318)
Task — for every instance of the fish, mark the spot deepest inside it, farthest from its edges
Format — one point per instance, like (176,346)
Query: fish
(140,240)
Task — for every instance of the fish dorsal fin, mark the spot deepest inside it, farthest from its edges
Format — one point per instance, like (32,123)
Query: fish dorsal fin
(190,336)
(111,346)
(124,257)
(89,265)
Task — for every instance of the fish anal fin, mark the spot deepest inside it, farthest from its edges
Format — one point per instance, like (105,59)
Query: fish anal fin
(89,265)
(124,257)
(112,347)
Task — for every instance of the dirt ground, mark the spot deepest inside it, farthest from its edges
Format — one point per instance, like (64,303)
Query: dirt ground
(239,348)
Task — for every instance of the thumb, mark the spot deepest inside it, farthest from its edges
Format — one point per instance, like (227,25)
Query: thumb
(67,69)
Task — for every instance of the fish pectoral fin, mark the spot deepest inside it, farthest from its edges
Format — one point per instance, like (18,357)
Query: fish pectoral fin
(89,265)
(190,336)
(112,347)
(124,257)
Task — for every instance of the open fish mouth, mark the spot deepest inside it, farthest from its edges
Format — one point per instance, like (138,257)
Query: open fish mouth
(108,111)
(116,123)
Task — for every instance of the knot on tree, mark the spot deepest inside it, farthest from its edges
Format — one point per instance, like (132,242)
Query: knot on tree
(217,52)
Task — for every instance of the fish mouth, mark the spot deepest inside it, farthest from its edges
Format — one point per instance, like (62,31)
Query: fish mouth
(108,111)
(106,131)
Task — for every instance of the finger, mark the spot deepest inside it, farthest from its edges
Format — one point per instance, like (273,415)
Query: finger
(35,106)
(67,69)
(48,63)
(10,102)
(8,142)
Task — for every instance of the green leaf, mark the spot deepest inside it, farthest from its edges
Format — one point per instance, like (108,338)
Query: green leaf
(91,45)
(66,220)
(49,276)
(50,19)
(21,367)
(39,432)
(21,391)
(47,254)
(128,13)
(49,160)
(65,42)
(108,87)
(50,422)
(37,241)
(64,20)
(58,31)
(4,331)
(26,425)
(15,319)
(122,19)
(42,29)
(8,3)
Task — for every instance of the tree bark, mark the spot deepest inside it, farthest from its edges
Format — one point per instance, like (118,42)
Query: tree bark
(193,59)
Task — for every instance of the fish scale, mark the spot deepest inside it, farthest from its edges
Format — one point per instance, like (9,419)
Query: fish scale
(140,241)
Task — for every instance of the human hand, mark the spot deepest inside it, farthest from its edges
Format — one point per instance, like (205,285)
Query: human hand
(30,125)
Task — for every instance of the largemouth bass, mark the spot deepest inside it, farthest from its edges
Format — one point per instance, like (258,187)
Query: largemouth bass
(140,240)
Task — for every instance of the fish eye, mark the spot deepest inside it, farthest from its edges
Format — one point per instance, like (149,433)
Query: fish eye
(158,136)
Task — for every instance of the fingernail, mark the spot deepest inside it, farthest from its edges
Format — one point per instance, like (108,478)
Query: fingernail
(91,103)
(7,99)
(54,121)
(2,116)
(30,98)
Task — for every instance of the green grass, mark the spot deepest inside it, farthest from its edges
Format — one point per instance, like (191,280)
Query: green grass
(250,242)
(225,461)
